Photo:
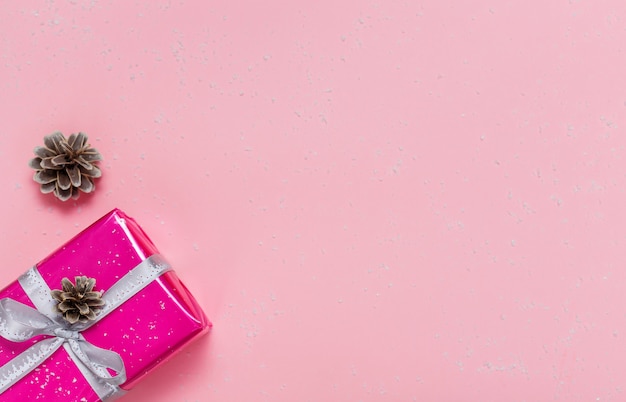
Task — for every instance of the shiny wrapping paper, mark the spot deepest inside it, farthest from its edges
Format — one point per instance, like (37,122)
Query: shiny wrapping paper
(145,330)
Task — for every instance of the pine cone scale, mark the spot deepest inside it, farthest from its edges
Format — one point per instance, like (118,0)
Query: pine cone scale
(62,194)
(86,186)
(72,316)
(90,157)
(95,303)
(84,285)
(48,187)
(46,164)
(66,148)
(50,142)
(68,286)
(85,165)
(44,152)
(78,141)
(63,180)
(93,172)
(35,163)
(83,309)
(66,305)
(45,177)
(74,175)
(59,160)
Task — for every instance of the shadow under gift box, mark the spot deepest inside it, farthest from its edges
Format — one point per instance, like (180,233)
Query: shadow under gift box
(145,330)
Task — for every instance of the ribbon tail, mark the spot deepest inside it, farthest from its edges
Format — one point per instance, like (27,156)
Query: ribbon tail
(16,369)
(99,361)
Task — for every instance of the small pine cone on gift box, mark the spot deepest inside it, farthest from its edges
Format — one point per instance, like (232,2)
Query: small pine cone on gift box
(65,166)
(78,303)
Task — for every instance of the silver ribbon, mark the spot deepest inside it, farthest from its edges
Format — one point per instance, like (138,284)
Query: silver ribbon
(19,323)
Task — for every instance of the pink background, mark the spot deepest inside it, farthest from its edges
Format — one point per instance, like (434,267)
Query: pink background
(384,200)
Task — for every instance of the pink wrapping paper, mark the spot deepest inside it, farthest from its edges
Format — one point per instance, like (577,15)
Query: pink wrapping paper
(145,331)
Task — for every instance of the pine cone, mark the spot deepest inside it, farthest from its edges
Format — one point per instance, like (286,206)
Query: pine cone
(78,303)
(64,166)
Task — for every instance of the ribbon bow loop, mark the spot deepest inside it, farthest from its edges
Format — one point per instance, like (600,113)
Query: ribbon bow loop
(19,322)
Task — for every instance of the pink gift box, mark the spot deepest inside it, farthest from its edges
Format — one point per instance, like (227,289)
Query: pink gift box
(145,330)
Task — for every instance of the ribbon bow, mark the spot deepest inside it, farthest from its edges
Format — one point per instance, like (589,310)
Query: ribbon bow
(20,323)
